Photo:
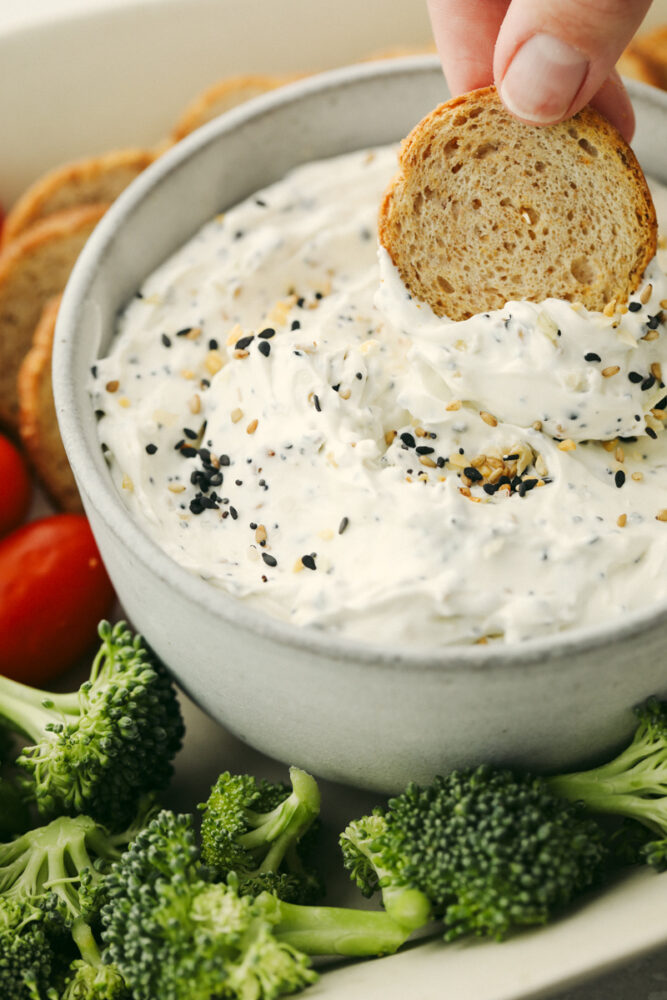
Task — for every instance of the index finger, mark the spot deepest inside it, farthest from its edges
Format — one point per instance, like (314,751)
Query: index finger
(465,33)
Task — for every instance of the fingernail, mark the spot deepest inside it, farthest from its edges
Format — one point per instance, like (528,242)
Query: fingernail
(543,79)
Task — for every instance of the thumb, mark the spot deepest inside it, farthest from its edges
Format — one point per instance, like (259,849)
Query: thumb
(553,56)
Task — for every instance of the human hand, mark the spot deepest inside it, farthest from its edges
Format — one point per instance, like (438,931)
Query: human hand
(547,57)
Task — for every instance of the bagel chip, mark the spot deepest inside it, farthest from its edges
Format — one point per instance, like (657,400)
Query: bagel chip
(96,180)
(486,210)
(38,425)
(34,267)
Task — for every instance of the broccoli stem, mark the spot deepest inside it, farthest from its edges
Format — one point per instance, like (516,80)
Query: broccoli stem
(28,711)
(285,824)
(329,930)
(84,939)
(633,784)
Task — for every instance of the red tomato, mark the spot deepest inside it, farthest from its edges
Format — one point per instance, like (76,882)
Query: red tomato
(54,590)
(15,488)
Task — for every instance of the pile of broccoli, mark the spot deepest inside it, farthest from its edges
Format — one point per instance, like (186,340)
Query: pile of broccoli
(106,896)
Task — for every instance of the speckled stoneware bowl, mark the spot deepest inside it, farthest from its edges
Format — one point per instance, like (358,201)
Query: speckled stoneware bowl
(367,715)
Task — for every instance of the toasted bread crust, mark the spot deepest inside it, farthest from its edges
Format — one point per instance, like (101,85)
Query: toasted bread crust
(224,95)
(33,268)
(95,180)
(485,210)
(38,425)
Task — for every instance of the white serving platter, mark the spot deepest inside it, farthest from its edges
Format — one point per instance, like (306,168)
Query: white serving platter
(82,76)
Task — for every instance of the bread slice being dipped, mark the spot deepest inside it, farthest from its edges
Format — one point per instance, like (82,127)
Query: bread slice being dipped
(486,210)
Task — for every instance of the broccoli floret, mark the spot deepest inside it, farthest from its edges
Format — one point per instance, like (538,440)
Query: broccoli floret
(26,955)
(633,784)
(255,829)
(89,978)
(174,935)
(490,850)
(98,750)
(58,872)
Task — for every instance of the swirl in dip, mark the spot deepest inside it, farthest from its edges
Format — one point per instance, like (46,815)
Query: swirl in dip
(285,422)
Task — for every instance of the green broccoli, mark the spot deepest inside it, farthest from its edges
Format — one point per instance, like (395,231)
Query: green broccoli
(27,958)
(254,828)
(488,850)
(58,871)
(172,934)
(633,784)
(98,750)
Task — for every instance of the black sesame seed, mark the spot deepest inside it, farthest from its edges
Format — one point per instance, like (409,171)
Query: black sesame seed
(184,332)
(188,451)
(189,433)
(264,348)
(592,356)
(196,506)
(661,404)
(490,488)
(359,375)
(316,401)
(138,295)
(151,449)
(213,344)
(244,342)
(635,377)
(224,460)
(319,295)
(233,511)
(511,458)
(253,525)
(525,486)
(215,479)
(473,474)
(651,433)
(634,307)
(301,302)
(93,371)
(343,525)
(296,325)
(619,478)
(165,340)
(267,333)
(336,387)
(260,202)
(269,560)
(440,461)
(648,383)
(308,562)
(654,321)
(408,440)
(424,449)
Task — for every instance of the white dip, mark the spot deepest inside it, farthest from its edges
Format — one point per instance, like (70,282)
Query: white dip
(304,436)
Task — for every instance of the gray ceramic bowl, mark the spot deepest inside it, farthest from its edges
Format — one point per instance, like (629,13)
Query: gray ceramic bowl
(367,715)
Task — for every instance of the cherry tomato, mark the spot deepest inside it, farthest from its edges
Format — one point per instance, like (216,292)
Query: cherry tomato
(15,488)
(54,589)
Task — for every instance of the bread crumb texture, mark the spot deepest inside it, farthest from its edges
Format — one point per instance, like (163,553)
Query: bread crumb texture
(486,210)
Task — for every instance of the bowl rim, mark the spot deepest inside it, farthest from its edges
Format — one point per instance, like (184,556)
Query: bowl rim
(105,500)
